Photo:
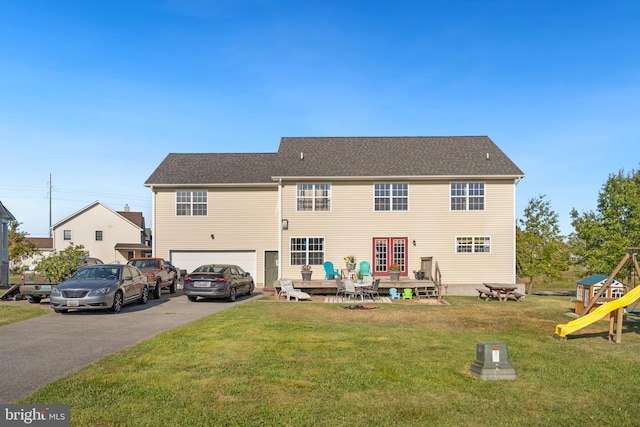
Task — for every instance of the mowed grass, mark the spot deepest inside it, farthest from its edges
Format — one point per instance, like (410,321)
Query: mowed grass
(13,313)
(313,364)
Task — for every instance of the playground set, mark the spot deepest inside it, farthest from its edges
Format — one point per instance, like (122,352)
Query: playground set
(614,308)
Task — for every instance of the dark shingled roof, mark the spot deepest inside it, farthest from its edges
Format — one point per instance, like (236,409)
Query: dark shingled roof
(214,168)
(135,217)
(343,157)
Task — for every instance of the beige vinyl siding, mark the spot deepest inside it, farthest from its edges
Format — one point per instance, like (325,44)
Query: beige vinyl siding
(115,229)
(351,224)
(239,219)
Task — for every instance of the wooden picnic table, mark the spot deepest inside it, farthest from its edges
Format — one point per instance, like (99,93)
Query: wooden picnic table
(503,292)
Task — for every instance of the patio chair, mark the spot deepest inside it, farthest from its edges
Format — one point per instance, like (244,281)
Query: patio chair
(339,287)
(407,293)
(329,271)
(393,293)
(287,290)
(374,289)
(367,289)
(365,268)
(350,290)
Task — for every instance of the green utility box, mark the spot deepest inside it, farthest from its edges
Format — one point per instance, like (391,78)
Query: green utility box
(492,362)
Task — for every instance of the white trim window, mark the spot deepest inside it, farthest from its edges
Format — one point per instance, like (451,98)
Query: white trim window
(467,196)
(473,244)
(391,196)
(313,197)
(191,203)
(307,250)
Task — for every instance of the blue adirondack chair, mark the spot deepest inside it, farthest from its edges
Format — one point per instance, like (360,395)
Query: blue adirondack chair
(365,268)
(393,293)
(329,271)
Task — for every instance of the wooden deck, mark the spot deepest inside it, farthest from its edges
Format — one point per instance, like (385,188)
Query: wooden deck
(328,287)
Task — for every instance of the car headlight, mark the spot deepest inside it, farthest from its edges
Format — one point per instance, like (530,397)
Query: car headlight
(55,292)
(100,291)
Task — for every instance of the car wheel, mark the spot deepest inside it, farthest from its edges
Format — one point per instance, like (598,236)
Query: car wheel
(144,297)
(34,299)
(232,294)
(172,288)
(60,310)
(251,287)
(157,292)
(192,298)
(117,303)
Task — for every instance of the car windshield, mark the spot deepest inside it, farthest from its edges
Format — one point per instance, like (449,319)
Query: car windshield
(101,273)
(209,269)
(143,263)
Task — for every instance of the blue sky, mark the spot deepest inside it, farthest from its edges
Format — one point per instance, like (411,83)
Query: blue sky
(98,93)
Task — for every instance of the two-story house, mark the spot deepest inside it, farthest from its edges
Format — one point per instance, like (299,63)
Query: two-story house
(111,236)
(414,201)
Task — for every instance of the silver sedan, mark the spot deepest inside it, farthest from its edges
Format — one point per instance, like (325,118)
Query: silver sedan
(100,287)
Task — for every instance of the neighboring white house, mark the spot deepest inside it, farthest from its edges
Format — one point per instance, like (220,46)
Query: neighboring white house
(106,234)
(5,219)
(414,201)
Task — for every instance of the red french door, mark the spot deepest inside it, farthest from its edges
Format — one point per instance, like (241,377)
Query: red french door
(387,251)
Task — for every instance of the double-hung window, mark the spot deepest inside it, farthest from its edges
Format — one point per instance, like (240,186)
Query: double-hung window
(313,197)
(66,234)
(191,203)
(307,250)
(391,196)
(473,244)
(467,196)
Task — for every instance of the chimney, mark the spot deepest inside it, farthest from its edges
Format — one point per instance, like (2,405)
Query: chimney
(126,208)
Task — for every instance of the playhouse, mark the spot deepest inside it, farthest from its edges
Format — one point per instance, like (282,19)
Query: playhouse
(589,287)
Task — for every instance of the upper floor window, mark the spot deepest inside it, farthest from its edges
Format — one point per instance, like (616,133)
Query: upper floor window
(391,197)
(98,236)
(469,244)
(307,250)
(313,197)
(66,234)
(467,196)
(191,203)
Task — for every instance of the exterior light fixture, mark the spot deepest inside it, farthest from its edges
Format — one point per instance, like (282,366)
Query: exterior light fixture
(285,224)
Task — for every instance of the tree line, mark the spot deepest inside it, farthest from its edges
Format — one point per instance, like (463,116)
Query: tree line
(600,239)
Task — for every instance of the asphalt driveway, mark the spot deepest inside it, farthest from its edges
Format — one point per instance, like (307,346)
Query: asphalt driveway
(38,351)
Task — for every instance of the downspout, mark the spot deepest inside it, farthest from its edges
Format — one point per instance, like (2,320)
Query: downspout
(279,228)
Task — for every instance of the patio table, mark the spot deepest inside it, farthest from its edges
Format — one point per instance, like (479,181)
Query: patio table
(501,292)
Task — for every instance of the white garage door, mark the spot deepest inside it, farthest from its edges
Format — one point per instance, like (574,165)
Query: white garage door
(190,260)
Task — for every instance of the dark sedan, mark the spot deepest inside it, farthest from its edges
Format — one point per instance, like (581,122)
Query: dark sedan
(100,287)
(218,281)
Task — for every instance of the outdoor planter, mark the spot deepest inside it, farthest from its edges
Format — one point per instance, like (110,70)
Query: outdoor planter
(394,275)
(306,275)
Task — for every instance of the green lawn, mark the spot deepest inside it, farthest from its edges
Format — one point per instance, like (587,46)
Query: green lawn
(11,314)
(402,364)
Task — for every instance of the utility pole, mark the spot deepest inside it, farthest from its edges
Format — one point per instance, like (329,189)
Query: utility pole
(50,195)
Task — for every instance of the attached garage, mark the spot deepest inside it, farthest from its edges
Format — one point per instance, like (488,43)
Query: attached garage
(190,260)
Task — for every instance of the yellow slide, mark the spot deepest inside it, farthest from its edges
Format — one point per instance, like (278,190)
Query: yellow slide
(598,313)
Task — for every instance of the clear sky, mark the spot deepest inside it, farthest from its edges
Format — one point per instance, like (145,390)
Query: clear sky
(97,93)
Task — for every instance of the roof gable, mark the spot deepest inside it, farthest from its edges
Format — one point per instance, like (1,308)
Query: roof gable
(89,207)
